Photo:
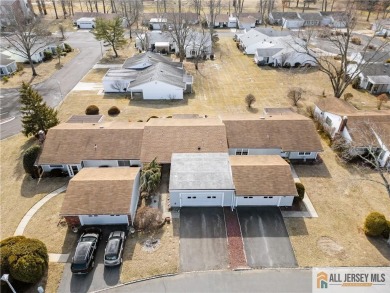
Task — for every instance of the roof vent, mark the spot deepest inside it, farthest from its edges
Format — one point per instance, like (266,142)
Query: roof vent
(199,148)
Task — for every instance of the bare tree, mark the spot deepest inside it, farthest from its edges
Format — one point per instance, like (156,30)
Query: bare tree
(263,5)
(131,10)
(61,28)
(197,5)
(55,8)
(28,37)
(180,32)
(213,12)
(63,8)
(295,95)
(43,7)
(381,99)
(39,7)
(367,145)
(200,44)
(338,72)
(250,100)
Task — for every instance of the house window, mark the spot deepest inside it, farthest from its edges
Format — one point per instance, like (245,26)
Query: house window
(124,163)
(328,121)
(55,166)
(243,152)
(193,52)
(307,153)
(304,153)
(2,71)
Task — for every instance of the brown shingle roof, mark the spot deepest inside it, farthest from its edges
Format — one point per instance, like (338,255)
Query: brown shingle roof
(262,175)
(288,132)
(100,191)
(335,106)
(361,124)
(70,143)
(162,137)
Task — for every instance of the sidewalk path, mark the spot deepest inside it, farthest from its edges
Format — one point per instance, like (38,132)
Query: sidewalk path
(109,66)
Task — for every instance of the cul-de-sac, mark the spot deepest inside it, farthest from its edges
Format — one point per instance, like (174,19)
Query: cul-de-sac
(195,146)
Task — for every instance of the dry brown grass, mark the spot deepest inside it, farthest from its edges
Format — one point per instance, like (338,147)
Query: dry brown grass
(95,75)
(55,234)
(44,70)
(342,201)
(54,275)
(18,191)
(219,86)
(138,263)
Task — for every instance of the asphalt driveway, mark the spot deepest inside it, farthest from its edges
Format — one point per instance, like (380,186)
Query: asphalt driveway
(203,244)
(99,278)
(265,237)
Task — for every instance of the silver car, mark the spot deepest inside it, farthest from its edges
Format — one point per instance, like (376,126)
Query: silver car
(114,248)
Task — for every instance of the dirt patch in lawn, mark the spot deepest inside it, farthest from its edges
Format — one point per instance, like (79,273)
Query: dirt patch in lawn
(19,192)
(45,70)
(163,259)
(342,200)
(55,233)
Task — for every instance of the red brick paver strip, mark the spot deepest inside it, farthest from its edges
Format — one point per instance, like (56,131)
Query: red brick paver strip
(237,258)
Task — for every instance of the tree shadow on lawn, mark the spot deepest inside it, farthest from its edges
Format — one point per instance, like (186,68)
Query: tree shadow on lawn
(31,187)
(252,110)
(381,244)
(18,169)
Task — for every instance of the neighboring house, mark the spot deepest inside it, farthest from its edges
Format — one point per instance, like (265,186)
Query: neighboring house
(7,65)
(10,8)
(38,50)
(311,19)
(217,179)
(73,146)
(375,77)
(161,82)
(255,15)
(334,19)
(290,136)
(262,181)
(158,23)
(159,42)
(359,127)
(102,196)
(222,20)
(381,27)
(370,57)
(117,80)
(246,22)
(198,45)
(290,20)
(86,23)
(147,59)
(165,136)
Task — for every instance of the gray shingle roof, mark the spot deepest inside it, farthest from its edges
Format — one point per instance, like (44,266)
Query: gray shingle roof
(287,15)
(311,16)
(148,57)
(376,69)
(375,57)
(5,60)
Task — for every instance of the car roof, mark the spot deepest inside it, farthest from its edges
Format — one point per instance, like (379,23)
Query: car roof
(116,234)
(113,246)
(81,252)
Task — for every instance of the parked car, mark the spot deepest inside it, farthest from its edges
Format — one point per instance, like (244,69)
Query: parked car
(114,248)
(83,260)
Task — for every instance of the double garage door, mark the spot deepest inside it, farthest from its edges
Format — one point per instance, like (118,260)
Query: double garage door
(104,220)
(212,199)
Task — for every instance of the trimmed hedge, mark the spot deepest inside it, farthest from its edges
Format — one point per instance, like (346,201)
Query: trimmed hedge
(68,48)
(29,158)
(47,56)
(25,259)
(92,110)
(375,224)
(114,110)
(300,189)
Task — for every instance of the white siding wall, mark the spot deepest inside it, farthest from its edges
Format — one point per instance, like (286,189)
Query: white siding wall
(134,198)
(37,57)
(297,156)
(232,152)
(111,86)
(157,90)
(286,201)
(110,163)
(293,23)
(85,24)
(48,168)
(225,201)
(264,200)
(336,119)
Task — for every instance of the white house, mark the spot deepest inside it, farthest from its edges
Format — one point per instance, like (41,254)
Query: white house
(102,196)
(334,19)
(7,65)
(374,77)
(161,82)
(311,18)
(381,27)
(147,59)
(117,80)
(197,45)
(246,22)
(290,20)
(86,23)
(158,23)
(366,129)
(288,135)
(70,147)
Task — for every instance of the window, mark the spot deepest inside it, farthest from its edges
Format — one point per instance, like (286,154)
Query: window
(304,153)
(193,52)
(328,121)
(124,163)
(55,166)
(243,152)
(307,153)
(265,196)
(214,197)
(194,197)
(270,197)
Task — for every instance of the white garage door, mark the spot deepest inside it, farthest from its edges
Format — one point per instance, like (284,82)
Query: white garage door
(257,200)
(103,219)
(205,199)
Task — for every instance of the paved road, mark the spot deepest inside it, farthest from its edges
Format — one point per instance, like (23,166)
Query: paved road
(56,87)
(260,281)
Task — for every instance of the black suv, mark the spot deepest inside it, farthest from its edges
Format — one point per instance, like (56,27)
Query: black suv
(83,259)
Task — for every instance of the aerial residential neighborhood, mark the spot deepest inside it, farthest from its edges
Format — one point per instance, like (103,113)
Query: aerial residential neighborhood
(219,146)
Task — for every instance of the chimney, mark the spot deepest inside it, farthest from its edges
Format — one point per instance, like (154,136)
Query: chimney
(343,123)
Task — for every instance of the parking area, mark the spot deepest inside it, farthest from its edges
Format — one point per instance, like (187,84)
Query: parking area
(266,241)
(100,277)
(203,244)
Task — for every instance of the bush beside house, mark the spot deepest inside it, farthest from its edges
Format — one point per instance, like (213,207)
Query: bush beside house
(376,224)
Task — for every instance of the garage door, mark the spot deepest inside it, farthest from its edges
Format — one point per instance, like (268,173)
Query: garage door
(212,199)
(103,219)
(257,200)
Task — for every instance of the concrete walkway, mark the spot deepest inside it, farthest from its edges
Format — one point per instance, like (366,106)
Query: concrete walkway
(310,213)
(109,66)
(88,86)
(53,257)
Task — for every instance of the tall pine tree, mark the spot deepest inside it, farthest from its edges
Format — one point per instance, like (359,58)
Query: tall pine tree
(36,115)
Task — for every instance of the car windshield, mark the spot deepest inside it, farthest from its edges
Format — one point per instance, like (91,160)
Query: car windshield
(111,256)
(88,239)
(79,266)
